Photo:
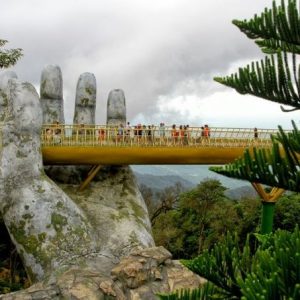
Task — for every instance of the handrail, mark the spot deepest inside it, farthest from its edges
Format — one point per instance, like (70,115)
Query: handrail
(104,135)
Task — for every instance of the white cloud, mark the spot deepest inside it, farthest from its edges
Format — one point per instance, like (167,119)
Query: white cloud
(221,109)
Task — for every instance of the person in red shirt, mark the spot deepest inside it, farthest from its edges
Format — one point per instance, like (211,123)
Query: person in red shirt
(174,134)
(206,132)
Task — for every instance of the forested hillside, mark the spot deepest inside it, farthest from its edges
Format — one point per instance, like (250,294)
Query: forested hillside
(187,222)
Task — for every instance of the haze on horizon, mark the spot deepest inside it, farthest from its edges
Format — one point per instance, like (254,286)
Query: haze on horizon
(163,54)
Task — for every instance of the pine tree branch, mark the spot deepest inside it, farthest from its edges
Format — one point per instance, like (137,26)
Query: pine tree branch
(272,46)
(269,79)
(278,166)
(3,42)
(9,57)
(276,28)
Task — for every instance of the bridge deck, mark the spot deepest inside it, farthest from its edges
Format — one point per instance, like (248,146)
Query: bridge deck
(139,155)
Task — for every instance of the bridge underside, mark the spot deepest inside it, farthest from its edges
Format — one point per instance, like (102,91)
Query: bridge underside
(64,155)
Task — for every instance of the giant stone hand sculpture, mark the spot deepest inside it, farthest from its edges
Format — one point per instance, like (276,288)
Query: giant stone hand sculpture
(74,241)
(49,228)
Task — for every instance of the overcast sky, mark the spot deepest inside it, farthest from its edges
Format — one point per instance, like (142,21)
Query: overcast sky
(162,53)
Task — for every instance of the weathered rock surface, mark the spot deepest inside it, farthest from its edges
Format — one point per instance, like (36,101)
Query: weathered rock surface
(4,77)
(48,229)
(116,107)
(140,276)
(85,101)
(51,94)
(116,209)
(114,206)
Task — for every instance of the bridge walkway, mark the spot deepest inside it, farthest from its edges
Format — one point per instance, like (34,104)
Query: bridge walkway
(111,145)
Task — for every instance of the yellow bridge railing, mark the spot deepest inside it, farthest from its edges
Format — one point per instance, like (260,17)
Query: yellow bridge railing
(148,136)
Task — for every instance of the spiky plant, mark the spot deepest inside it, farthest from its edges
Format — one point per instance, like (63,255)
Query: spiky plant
(270,271)
(207,291)
(276,78)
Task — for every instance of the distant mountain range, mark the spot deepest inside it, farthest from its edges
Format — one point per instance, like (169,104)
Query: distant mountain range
(192,173)
(158,183)
(158,177)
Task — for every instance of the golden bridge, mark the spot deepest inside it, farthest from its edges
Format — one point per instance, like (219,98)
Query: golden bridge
(99,145)
(115,145)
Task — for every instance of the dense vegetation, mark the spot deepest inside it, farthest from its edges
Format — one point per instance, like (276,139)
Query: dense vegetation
(195,220)
(269,270)
(221,236)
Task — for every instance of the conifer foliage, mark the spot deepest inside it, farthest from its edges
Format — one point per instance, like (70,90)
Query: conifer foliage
(8,57)
(276,78)
(270,270)
(275,29)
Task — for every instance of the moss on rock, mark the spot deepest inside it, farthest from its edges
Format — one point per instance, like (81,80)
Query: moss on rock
(58,221)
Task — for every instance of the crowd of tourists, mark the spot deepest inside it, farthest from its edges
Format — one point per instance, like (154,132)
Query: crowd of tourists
(141,134)
(147,134)
(144,134)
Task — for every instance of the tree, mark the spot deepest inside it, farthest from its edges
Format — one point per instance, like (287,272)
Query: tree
(203,215)
(196,220)
(287,212)
(9,57)
(161,201)
(276,78)
(167,200)
(269,271)
(196,209)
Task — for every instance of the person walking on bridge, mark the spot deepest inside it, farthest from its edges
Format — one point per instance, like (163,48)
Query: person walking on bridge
(162,133)
(101,135)
(206,133)
(127,132)
(174,134)
(181,134)
(255,133)
(120,133)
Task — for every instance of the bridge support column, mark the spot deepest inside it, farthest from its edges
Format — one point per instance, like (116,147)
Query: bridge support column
(268,205)
(92,173)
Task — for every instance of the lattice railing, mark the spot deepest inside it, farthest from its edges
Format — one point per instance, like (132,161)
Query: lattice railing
(101,135)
